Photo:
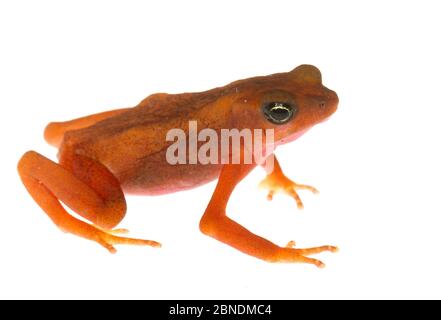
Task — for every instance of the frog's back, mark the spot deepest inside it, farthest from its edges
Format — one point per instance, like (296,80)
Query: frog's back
(132,144)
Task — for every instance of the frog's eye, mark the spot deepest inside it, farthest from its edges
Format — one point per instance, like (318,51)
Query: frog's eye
(278,112)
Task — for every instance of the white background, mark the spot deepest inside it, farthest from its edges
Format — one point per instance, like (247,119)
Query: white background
(376,162)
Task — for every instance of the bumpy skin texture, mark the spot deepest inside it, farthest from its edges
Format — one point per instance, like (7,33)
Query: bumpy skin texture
(105,155)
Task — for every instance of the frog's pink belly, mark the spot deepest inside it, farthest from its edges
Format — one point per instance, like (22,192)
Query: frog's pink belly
(156,179)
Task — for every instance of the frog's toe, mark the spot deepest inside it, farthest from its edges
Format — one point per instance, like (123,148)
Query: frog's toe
(293,193)
(306,187)
(270,195)
(280,184)
(116,231)
(290,254)
(107,240)
(290,244)
(106,245)
(119,231)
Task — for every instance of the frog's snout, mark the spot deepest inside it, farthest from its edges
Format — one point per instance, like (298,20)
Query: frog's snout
(332,101)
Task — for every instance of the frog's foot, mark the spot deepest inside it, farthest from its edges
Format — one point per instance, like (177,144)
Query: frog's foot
(291,254)
(107,240)
(276,183)
(108,237)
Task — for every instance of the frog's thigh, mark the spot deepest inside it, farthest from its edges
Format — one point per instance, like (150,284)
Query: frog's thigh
(55,131)
(86,186)
(89,189)
(94,195)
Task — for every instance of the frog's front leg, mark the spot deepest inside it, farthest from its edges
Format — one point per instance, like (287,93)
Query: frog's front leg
(85,186)
(276,182)
(216,224)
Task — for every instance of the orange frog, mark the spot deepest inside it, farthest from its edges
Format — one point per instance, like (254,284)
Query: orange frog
(105,155)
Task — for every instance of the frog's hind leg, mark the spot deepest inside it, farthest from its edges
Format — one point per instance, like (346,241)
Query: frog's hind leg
(54,131)
(85,186)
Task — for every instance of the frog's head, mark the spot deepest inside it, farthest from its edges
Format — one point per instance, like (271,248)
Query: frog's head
(290,103)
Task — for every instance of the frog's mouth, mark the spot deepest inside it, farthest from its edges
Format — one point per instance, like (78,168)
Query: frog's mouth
(292,137)
(298,134)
